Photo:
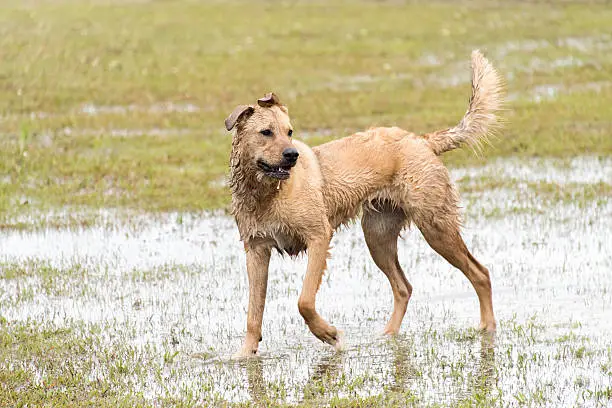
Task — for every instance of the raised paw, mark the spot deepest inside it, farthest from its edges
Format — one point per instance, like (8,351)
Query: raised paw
(339,346)
(327,333)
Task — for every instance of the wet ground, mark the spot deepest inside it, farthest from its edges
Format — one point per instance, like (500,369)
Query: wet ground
(164,299)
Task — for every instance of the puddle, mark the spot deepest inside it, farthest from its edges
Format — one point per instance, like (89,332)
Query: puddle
(361,81)
(543,65)
(157,132)
(92,109)
(306,134)
(583,44)
(157,108)
(451,70)
(524,46)
(178,283)
(584,169)
(431,60)
(544,92)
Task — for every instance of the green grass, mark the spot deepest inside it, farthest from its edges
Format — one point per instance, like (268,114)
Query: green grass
(51,368)
(46,366)
(339,66)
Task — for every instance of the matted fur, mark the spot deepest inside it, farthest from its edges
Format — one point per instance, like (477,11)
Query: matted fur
(392,176)
(480,119)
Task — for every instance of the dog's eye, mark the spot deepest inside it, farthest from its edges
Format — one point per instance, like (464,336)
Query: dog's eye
(266,132)
(290,133)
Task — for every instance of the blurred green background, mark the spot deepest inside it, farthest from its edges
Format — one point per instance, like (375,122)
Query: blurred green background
(120,104)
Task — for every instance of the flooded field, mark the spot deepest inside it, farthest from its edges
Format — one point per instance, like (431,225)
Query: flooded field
(150,308)
(123,282)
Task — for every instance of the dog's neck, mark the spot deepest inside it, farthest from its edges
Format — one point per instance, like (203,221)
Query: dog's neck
(249,189)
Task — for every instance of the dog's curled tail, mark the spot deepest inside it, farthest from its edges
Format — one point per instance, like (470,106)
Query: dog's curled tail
(480,120)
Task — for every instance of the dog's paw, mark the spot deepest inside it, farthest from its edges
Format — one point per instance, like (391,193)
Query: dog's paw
(339,346)
(488,327)
(327,333)
(390,331)
(244,352)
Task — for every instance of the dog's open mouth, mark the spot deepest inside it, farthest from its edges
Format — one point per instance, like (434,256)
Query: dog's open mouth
(280,172)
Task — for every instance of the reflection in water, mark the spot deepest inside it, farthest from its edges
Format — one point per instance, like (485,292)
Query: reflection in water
(484,378)
(403,368)
(257,385)
(327,375)
(324,375)
(487,371)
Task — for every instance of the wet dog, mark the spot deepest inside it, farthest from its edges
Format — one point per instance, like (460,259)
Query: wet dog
(288,196)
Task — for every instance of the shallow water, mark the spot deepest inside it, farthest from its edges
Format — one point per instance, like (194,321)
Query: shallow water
(93,109)
(581,169)
(512,58)
(177,283)
(155,132)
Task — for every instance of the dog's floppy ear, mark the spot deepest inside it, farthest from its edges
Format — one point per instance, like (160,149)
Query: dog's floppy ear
(269,100)
(240,110)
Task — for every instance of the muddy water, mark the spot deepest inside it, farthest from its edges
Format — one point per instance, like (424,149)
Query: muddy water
(178,284)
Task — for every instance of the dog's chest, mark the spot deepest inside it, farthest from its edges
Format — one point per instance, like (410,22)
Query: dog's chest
(291,244)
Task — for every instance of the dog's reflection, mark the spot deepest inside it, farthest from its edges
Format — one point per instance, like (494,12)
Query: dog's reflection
(255,378)
(324,375)
(485,377)
(403,370)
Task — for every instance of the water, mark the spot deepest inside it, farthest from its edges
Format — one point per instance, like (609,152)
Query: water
(176,283)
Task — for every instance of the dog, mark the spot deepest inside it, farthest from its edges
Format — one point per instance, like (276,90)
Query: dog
(290,197)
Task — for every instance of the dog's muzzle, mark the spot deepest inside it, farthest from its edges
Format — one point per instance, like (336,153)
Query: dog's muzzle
(282,170)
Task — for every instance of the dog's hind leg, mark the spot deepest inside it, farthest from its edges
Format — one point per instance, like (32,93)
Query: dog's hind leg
(317,262)
(445,239)
(381,230)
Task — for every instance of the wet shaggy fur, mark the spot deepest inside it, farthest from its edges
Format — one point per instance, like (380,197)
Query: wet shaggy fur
(394,178)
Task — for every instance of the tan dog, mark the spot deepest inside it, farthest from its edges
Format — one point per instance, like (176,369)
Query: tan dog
(288,196)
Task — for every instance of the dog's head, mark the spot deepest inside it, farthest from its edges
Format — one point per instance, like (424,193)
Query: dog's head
(263,133)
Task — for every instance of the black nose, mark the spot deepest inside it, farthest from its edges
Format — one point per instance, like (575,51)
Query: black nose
(290,154)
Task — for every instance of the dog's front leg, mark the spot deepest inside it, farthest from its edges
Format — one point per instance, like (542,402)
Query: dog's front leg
(317,261)
(258,260)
